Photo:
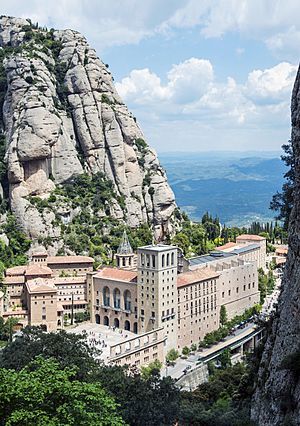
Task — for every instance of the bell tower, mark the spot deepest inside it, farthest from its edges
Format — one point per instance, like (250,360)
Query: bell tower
(125,255)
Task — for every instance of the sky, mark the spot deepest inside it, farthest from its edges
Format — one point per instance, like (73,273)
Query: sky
(199,75)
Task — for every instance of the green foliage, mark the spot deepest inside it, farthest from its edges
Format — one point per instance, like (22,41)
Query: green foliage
(223,331)
(223,315)
(186,350)
(282,202)
(82,316)
(15,253)
(43,394)
(68,349)
(141,146)
(172,355)
(152,369)
(266,283)
(106,99)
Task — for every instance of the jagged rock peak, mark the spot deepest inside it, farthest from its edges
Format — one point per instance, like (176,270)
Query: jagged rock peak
(277,397)
(62,117)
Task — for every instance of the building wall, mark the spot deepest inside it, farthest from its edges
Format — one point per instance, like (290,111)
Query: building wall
(198,312)
(140,351)
(238,288)
(42,309)
(109,310)
(72,269)
(68,286)
(261,260)
(157,291)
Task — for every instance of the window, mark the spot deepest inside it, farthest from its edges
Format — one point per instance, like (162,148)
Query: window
(43,317)
(223,294)
(142,312)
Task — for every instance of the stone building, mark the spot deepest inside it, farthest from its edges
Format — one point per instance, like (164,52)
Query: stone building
(198,311)
(251,248)
(36,282)
(185,306)
(237,283)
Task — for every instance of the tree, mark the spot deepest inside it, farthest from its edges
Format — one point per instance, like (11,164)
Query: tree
(223,315)
(282,202)
(186,350)
(182,241)
(43,394)
(66,348)
(172,355)
(153,368)
(151,400)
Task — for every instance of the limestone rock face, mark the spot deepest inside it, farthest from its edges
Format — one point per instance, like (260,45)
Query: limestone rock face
(277,397)
(62,116)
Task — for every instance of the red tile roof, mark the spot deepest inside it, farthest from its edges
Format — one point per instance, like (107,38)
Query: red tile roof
(15,279)
(15,270)
(37,270)
(69,259)
(40,285)
(226,246)
(200,274)
(250,237)
(117,274)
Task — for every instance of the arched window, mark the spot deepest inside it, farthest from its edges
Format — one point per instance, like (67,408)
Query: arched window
(148,260)
(116,322)
(168,259)
(153,260)
(106,295)
(135,327)
(106,320)
(97,318)
(117,298)
(127,325)
(142,259)
(172,258)
(163,260)
(127,300)
(124,261)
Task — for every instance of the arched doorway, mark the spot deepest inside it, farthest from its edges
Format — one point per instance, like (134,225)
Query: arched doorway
(135,327)
(116,323)
(97,318)
(106,320)
(127,325)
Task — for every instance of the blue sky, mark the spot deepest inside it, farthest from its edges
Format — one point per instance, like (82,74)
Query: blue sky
(199,75)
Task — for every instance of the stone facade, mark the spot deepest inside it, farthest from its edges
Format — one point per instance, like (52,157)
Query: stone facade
(26,301)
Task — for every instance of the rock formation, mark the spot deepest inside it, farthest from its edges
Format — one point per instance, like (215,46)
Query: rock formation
(63,117)
(277,397)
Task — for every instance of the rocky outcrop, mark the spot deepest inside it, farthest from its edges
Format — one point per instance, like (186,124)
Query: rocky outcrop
(277,397)
(62,117)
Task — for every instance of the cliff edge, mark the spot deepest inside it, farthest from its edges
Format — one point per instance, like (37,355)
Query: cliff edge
(277,397)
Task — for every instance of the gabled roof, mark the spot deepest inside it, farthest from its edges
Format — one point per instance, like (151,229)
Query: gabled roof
(117,274)
(250,237)
(226,246)
(69,259)
(201,274)
(15,270)
(37,270)
(41,285)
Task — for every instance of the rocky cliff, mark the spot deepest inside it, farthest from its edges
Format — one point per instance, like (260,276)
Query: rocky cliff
(62,117)
(277,398)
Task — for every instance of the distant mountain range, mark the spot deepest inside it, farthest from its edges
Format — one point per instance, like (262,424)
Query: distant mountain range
(237,187)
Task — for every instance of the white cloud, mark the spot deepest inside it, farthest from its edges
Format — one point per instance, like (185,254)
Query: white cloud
(271,85)
(260,103)
(187,81)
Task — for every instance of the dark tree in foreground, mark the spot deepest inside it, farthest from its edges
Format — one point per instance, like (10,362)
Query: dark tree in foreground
(66,348)
(282,202)
(44,394)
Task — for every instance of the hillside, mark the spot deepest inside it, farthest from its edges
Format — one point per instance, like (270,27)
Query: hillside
(242,184)
(71,152)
